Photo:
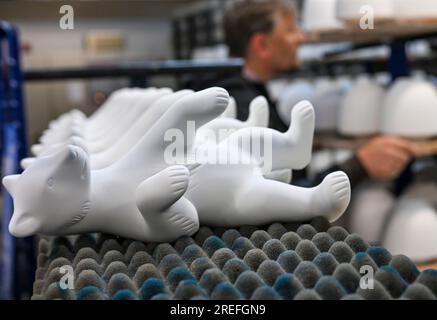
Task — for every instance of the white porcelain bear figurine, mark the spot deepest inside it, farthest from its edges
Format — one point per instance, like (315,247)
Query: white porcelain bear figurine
(258,116)
(73,123)
(101,139)
(126,140)
(220,128)
(116,200)
(142,196)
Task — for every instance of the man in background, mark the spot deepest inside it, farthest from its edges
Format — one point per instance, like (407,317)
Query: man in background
(266,34)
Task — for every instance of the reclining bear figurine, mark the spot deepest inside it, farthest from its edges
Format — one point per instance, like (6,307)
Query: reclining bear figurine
(144,197)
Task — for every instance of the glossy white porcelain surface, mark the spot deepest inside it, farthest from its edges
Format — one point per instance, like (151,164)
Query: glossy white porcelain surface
(320,15)
(412,230)
(410,109)
(360,111)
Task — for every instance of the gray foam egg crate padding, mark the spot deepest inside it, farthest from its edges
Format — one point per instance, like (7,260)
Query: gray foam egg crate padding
(279,261)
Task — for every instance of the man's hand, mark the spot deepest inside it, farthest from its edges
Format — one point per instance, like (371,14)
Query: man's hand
(384,157)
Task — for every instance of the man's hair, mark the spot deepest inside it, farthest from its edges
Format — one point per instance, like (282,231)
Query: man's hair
(244,18)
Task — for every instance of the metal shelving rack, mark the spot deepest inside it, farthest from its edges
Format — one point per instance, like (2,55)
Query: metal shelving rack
(200,28)
(17,255)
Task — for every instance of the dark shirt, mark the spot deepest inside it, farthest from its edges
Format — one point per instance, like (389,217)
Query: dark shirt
(352,167)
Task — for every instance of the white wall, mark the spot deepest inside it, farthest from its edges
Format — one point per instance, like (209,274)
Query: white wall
(145,39)
(146,27)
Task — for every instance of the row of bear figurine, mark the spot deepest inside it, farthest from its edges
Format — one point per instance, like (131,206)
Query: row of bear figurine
(113,172)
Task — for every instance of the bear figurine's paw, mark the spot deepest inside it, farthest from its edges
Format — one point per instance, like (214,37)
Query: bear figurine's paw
(332,196)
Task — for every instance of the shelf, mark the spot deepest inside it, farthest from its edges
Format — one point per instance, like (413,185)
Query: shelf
(332,140)
(421,147)
(383,31)
(135,70)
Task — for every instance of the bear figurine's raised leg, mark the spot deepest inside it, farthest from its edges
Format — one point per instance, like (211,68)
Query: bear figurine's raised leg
(161,202)
(275,150)
(263,201)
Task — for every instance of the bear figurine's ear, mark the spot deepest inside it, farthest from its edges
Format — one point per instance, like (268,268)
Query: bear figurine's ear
(79,142)
(23,224)
(71,159)
(10,181)
(258,113)
(26,162)
(77,131)
(231,110)
(37,149)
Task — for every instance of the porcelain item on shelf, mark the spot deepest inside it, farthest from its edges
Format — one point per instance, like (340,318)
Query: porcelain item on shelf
(345,82)
(410,109)
(361,109)
(327,99)
(413,9)
(342,155)
(291,95)
(354,10)
(275,87)
(320,161)
(383,79)
(371,205)
(323,159)
(319,15)
(412,230)
(146,196)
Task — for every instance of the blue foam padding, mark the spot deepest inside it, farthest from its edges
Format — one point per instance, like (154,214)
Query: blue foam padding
(89,292)
(125,294)
(225,291)
(152,287)
(279,261)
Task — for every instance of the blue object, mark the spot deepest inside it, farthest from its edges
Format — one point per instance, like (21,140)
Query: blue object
(17,264)
(125,294)
(7,265)
(399,66)
(151,287)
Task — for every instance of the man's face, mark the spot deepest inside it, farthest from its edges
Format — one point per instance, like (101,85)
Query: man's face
(284,43)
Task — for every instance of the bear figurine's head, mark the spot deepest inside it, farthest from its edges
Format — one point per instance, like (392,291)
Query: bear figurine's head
(52,194)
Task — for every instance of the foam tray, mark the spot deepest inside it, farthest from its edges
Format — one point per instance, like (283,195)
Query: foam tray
(279,261)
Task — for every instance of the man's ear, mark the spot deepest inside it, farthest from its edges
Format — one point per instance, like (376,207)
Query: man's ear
(259,45)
